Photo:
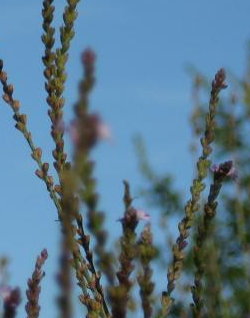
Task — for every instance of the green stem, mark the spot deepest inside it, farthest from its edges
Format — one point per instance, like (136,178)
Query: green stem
(192,206)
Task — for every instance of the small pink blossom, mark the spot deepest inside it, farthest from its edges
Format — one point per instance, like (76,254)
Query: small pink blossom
(92,128)
(233,173)
(103,131)
(227,168)
(137,214)
(142,215)
(5,292)
(11,296)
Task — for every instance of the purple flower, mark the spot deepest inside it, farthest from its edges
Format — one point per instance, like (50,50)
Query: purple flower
(226,168)
(91,128)
(5,292)
(136,214)
(11,296)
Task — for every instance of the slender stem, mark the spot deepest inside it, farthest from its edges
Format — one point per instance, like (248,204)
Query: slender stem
(147,253)
(33,292)
(21,125)
(80,265)
(192,206)
(202,234)
(119,295)
(56,83)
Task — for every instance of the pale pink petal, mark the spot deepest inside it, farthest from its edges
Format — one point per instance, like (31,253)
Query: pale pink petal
(5,292)
(103,131)
(233,173)
(142,215)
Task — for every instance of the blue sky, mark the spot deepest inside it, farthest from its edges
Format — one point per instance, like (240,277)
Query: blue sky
(142,87)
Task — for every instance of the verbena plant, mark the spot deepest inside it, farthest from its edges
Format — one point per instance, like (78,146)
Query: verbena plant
(211,250)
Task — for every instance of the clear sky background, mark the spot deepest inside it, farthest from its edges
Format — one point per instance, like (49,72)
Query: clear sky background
(142,87)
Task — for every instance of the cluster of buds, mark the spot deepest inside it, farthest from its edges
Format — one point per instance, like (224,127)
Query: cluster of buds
(32,307)
(219,80)
(88,58)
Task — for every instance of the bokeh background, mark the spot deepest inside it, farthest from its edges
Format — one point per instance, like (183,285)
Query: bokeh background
(144,49)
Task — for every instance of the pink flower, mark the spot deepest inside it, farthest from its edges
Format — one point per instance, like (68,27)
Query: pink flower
(5,292)
(135,214)
(103,131)
(142,215)
(226,168)
(90,128)
(233,173)
(11,296)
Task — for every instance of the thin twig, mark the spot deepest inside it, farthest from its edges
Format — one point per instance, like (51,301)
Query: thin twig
(192,206)
(199,252)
